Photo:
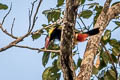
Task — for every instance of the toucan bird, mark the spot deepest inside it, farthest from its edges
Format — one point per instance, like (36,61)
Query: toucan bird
(55,33)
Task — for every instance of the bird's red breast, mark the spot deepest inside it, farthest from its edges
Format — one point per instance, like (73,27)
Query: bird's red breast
(81,37)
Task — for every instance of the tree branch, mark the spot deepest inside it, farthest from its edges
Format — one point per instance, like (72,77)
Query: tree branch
(103,20)
(1,27)
(37,49)
(6,14)
(12,26)
(14,37)
(19,39)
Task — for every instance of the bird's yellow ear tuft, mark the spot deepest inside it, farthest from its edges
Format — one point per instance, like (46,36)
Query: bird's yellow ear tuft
(50,31)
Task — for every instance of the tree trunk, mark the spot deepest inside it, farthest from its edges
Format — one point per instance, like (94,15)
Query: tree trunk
(67,63)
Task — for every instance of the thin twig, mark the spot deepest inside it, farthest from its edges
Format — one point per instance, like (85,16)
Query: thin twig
(6,14)
(22,37)
(34,17)
(14,37)
(39,50)
(80,26)
(33,6)
(3,23)
(83,23)
(108,53)
(12,26)
(30,14)
(29,21)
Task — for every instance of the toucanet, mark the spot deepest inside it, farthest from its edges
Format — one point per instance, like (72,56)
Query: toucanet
(55,33)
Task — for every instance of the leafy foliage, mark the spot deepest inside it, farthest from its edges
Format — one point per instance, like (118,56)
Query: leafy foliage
(60,3)
(106,36)
(3,6)
(52,14)
(98,9)
(86,14)
(52,73)
(82,1)
(36,34)
(45,58)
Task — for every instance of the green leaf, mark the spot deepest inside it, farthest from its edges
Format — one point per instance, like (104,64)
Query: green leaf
(79,62)
(102,64)
(52,14)
(36,34)
(107,35)
(98,10)
(51,73)
(105,39)
(82,1)
(53,55)
(44,25)
(60,3)
(46,73)
(110,75)
(58,76)
(3,6)
(58,63)
(112,72)
(95,70)
(45,58)
(116,51)
(105,57)
(114,43)
(55,67)
(115,60)
(117,22)
(86,14)
(105,42)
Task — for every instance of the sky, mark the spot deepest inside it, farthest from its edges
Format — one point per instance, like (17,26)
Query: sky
(25,64)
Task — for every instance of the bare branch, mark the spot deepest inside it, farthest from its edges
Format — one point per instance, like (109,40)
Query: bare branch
(4,21)
(12,44)
(6,14)
(32,7)
(108,53)
(12,26)
(83,23)
(80,26)
(39,50)
(35,15)
(29,21)
(20,38)
(7,32)
(30,14)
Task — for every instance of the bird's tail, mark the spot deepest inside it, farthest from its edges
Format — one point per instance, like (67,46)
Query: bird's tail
(93,32)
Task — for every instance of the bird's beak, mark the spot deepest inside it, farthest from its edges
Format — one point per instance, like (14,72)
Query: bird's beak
(47,42)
